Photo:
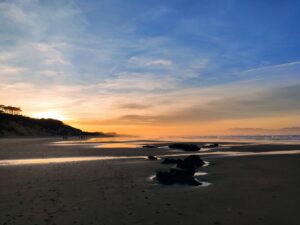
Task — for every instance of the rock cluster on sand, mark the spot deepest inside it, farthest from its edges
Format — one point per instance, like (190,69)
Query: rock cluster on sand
(185,147)
(190,163)
(183,173)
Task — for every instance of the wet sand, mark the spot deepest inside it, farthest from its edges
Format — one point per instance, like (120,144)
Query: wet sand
(259,189)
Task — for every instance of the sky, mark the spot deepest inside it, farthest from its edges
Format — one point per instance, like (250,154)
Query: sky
(176,67)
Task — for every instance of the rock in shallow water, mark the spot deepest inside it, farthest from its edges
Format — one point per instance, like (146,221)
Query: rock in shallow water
(185,147)
(177,176)
(191,162)
(183,174)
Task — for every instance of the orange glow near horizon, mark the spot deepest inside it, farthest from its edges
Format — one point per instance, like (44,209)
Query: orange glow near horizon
(160,115)
(176,129)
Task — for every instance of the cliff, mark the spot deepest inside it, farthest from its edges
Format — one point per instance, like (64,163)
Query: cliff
(23,126)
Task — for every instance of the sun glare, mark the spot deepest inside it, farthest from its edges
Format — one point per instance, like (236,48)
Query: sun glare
(49,115)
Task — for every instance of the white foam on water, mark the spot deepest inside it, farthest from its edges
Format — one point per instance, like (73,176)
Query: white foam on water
(199,173)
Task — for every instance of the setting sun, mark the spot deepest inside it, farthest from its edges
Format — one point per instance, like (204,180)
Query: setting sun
(49,115)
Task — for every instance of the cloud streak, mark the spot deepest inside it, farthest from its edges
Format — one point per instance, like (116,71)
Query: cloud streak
(10,70)
(274,102)
(134,106)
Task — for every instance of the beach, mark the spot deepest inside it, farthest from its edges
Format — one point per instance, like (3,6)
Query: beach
(242,189)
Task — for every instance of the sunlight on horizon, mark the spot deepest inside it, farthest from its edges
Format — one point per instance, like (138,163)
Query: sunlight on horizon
(50,115)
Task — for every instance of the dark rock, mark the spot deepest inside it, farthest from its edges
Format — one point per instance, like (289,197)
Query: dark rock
(165,177)
(151,157)
(182,172)
(214,145)
(191,163)
(177,176)
(149,146)
(171,161)
(185,147)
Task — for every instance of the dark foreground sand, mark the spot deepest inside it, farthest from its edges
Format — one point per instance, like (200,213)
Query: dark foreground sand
(245,190)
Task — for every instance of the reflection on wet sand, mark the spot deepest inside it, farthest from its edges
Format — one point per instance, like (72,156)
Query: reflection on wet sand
(233,154)
(100,144)
(13,162)
(109,142)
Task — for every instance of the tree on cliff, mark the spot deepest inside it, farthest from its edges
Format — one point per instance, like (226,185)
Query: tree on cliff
(10,109)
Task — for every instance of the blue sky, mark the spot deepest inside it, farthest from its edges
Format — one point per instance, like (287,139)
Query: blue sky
(230,36)
(90,59)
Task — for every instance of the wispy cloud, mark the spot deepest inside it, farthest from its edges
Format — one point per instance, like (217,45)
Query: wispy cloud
(138,82)
(142,61)
(285,69)
(51,53)
(35,37)
(160,63)
(10,70)
(134,106)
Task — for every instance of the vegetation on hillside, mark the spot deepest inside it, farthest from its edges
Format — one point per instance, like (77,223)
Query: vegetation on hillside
(12,124)
(10,110)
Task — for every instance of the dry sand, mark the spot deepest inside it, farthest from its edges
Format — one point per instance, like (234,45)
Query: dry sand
(245,190)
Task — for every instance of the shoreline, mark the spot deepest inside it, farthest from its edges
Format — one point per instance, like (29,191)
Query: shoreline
(244,190)
(53,147)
